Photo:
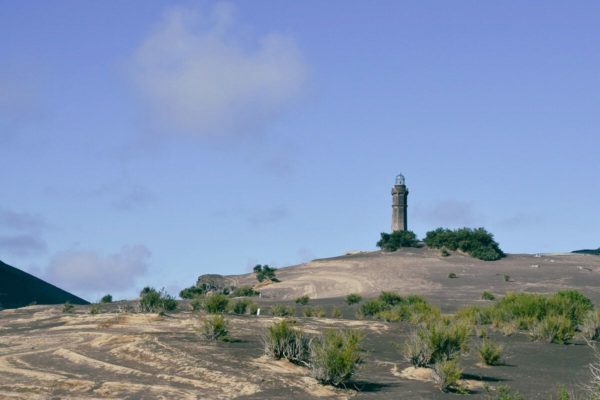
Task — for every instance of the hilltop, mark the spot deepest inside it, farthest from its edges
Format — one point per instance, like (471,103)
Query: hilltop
(424,271)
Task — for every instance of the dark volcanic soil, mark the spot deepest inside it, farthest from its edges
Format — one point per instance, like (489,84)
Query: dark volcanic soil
(46,354)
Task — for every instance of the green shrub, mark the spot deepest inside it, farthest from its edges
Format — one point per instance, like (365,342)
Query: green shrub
(487,295)
(372,307)
(444,252)
(553,329)
(570,303)
(474,315)
(244,291)
(280,310)
(318,312)
(397,239)
(490,352)
(447,376)
(107,298)
(506,278)
(416,312)
(68,308)
(152,300)
(239,307)
(197,303)
(478,243)
(391,298)
(282,340)
(563,393)
(353,298)
(216,303)
(303,300)
(264,272)
(561,313)
(335,356)
(95,309)
(452,275)
(504,392)
(590,325)
(336,312)
(253,308)
(215,327)
(191,292)
(437,341)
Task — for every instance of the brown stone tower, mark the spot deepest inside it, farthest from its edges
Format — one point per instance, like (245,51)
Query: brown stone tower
(399,204)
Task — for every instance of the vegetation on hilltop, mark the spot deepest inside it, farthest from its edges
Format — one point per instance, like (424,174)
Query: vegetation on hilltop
(478,242)
(264,272)
(397,239)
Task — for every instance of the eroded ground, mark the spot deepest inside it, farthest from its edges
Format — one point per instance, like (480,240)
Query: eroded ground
(45,354)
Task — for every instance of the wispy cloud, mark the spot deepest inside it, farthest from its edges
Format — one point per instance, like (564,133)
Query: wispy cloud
(200,75)
(89,272)
(22,245)
(21,233)
(20,220)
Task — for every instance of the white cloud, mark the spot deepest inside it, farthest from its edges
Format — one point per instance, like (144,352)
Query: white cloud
(89,272)
(200,76)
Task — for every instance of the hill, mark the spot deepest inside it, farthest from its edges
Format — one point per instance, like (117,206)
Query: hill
(424,271)
(595,252)
(18,289)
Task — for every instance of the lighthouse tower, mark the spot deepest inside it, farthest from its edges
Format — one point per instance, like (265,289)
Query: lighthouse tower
(399,204)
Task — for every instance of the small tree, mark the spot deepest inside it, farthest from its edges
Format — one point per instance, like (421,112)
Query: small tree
(397,239)
(107,298)
(191,292)
(152,300)
(264,272)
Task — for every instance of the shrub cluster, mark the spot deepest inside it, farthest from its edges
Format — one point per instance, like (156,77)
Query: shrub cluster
(191,292)
(397,239)
(490,352)
(335,356)
(447,375)
(332,358)
(353,298)
(303,300)
(437,340)
(95,308)
(282,340)
(215,327)
(216,304)
(264,272)
(244,291)
(239,307)
(68,308)
(280,310)
(478,243)
(107,298)
(392,307)
(152,300)
(318,312)
(554,318)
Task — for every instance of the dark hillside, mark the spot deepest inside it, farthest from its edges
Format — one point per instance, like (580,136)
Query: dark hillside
(589,251)
(18,289)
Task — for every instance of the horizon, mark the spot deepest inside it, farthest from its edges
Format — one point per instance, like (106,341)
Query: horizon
(147,143)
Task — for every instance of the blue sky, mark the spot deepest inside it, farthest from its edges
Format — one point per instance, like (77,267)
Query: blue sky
(148,142)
